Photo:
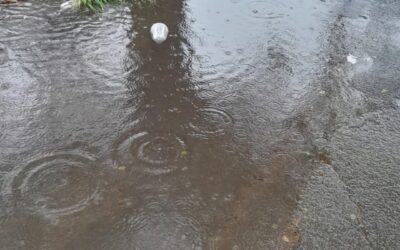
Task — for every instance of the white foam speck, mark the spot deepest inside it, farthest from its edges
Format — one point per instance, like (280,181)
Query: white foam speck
(351,59)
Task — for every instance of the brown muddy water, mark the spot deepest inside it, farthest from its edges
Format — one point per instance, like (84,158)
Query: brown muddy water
(109,141)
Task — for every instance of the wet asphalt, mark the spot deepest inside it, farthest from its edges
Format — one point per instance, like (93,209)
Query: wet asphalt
(352,200)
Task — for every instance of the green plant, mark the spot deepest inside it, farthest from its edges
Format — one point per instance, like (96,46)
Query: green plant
(99,4)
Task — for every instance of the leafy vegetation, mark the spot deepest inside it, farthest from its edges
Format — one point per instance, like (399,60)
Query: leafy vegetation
(99,4)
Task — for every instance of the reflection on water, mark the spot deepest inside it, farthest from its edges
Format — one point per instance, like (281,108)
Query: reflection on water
(109,141)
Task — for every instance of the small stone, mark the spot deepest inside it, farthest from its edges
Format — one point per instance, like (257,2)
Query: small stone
(184,153)
(353,216)
(128,203)
(121,168)
(173,110)
(285,239)
(384,91)
(229,197)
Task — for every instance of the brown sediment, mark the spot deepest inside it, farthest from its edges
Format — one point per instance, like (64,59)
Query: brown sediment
(325,158)
(246,212)
(289,234)
(228,232)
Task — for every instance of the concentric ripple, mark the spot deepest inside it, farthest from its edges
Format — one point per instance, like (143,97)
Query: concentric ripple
(157,153)
(210,122)
(54,185)
(235,66)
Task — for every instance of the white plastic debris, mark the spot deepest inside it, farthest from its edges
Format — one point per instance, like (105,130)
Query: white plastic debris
(66,5)
(351,59)
(159,32)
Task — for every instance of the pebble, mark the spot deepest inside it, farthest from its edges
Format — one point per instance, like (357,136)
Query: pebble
(214,197)
(121,168)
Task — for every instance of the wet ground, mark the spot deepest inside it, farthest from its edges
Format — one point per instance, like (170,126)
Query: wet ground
(257,125)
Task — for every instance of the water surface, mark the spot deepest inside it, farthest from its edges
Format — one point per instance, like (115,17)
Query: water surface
(109,141)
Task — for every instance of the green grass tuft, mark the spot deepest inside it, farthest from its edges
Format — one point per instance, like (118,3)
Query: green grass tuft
(99,4)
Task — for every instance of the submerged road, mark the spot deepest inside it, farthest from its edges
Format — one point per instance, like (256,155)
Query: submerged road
(258,124)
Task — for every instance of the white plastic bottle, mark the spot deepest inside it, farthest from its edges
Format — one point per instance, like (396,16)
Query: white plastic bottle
(159,32)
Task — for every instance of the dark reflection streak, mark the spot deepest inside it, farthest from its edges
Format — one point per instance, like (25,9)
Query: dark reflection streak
(159,83)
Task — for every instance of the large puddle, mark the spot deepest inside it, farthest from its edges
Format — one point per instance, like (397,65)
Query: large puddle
(109,141)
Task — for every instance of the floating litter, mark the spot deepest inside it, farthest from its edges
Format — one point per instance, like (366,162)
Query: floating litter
(159,32)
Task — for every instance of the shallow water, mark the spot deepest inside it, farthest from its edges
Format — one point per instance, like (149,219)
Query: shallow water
(109,141)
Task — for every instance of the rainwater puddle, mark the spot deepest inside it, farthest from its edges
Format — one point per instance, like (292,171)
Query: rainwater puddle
(184,139)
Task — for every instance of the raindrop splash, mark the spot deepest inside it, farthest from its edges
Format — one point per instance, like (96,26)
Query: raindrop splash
(267,9)
(158,153)
(210,122)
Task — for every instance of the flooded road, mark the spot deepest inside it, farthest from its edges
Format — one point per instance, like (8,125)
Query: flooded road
(249,128)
